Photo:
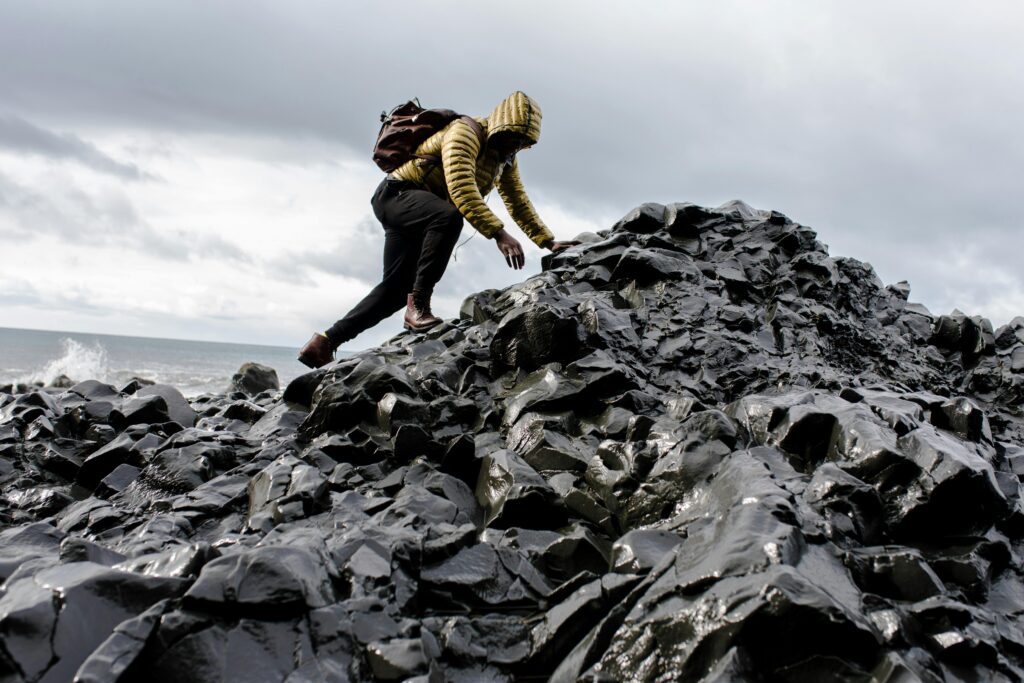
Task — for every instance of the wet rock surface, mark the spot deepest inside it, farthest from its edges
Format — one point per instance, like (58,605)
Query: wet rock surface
(695,447)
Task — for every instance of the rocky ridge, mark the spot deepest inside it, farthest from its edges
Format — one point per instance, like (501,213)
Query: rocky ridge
(695,447)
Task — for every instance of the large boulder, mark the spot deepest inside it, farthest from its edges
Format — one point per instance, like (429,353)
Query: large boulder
(253,378)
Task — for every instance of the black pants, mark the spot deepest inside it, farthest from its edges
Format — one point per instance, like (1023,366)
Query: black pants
(420,232)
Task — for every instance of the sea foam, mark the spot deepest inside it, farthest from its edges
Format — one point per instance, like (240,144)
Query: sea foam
(78,362)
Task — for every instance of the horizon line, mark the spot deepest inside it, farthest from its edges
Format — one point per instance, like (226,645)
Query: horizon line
(132,336)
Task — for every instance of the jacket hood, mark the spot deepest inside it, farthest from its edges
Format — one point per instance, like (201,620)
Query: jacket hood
(516,114)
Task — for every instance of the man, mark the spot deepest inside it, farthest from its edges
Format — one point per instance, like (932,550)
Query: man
(422,204)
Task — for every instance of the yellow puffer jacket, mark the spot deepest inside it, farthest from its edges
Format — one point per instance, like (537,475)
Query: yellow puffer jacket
(466,175)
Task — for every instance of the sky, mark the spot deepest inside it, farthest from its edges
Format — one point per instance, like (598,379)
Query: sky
(201,169)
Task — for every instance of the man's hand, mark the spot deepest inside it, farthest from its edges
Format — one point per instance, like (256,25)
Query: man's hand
(556,247)
(511,249)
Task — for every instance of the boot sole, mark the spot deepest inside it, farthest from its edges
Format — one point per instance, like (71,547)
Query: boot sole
(422,328)
(311,363)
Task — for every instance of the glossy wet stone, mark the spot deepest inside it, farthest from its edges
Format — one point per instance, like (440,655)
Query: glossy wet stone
(396,660)
(530,336)
(53,620)
(252,378)
(696,446)
(641,549)
(31,541)
(286,489)
(114,657)
(105,460)
(513,494)
(266,579)
(178,408)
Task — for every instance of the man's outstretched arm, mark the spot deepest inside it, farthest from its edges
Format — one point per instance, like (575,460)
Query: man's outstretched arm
(510,187)
(459,153)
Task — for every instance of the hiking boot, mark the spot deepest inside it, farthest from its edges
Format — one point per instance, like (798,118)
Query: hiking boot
(417,311)
(317,352)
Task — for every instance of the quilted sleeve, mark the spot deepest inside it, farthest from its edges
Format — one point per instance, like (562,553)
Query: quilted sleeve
(459,153)
(512,192)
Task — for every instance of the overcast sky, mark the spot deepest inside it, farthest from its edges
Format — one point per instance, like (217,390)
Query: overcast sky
(197,169)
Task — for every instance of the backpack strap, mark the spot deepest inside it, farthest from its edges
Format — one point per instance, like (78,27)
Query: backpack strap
(477,128)
(472,123)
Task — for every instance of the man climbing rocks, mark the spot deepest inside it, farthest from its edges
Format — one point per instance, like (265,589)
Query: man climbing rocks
(421,205)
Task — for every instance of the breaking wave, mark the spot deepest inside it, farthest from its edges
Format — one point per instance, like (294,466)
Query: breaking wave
(78,362)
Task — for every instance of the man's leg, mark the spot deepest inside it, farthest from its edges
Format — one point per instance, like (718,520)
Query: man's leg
(439,239)
(421,230)
(401,254)
(436,221)
(439,224)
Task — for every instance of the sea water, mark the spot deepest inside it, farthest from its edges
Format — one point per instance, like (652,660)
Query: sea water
(194,367)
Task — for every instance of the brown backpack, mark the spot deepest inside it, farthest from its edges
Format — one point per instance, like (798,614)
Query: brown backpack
(406,127)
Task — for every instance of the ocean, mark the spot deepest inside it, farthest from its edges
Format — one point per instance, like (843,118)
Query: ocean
(193,367)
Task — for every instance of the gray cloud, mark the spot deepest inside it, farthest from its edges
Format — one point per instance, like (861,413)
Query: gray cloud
(79,217)
(891,130)
(18,135)
(18,293)
(358,254)
(78,300)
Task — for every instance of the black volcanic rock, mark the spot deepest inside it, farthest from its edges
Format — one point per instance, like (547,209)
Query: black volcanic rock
(53,619)
(271,580)
(178,408)
(252,378)
(695,447)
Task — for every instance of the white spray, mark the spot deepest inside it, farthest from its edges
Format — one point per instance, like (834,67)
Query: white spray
(78,361)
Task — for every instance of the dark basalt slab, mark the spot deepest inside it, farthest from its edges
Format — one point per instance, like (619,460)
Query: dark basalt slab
(695,447)
(269,579)
(253,378)
(54,619)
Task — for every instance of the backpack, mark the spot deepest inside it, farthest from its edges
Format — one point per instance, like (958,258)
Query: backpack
(406,127)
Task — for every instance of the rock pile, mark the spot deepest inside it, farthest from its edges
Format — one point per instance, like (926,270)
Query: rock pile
(696,447)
